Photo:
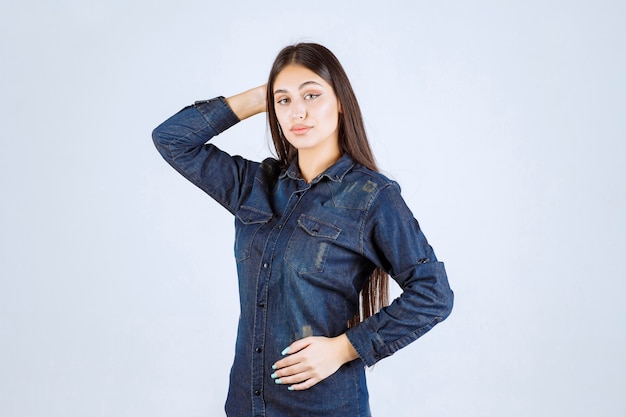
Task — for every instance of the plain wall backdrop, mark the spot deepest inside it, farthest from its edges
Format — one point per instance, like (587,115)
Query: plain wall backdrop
(503,122)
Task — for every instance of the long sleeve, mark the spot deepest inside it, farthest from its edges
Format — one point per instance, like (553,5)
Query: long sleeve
(181,140)
(394,241)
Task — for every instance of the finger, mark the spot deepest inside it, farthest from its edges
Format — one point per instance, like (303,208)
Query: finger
(292,349)
(297,346)
(290,371)
(304,385)
(297,378)
(294,379)
(286,362)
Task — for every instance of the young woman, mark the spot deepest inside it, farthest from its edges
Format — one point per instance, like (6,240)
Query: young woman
(317,231)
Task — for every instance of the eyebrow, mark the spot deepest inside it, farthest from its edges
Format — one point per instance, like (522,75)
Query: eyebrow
(304,84)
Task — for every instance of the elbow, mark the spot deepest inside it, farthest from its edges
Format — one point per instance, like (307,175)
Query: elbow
(157,136)
(448,304)
(446,295)
(160,139)
(442,298)
(441,294)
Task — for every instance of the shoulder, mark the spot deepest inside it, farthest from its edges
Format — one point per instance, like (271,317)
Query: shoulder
(386,194)
(381,178)
(360,187)
(374,179)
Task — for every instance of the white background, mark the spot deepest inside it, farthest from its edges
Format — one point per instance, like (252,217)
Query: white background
(503,122)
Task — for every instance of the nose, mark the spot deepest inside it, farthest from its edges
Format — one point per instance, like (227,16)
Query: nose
(298,110)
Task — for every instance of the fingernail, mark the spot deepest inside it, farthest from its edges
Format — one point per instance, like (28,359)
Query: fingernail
(274,376)
(285,351)
(291,388)
(274,367)
(278,381)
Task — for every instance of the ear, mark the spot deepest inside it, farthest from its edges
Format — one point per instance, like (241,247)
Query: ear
(340,109)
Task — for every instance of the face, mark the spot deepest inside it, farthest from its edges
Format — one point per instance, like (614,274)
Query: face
(307,110)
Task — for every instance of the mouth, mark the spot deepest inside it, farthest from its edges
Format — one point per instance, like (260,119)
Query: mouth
(300,129)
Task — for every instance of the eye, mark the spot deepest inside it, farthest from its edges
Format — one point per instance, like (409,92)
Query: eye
(283,100)
(311,96)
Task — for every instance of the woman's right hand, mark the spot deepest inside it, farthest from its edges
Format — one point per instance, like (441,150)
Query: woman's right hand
(249,102)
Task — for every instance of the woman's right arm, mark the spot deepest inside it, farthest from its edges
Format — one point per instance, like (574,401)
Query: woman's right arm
(249,102)
(182,139)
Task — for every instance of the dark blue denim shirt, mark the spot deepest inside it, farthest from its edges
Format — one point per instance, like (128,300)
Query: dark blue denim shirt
(303,253)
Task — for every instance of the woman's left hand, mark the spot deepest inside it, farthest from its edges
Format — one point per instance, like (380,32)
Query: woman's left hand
(311,360)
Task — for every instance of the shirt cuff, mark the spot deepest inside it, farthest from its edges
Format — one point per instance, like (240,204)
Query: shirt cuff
(367,344)
(217,113)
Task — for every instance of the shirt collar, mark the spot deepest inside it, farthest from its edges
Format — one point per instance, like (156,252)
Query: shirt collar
(335,172)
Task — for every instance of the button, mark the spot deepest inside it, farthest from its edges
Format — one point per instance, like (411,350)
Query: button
(257,393)
(258,350)
(265,265)
(280,226)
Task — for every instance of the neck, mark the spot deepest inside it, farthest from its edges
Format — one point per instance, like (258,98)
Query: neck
(312,164)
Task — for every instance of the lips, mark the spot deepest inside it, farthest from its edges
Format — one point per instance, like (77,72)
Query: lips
(300,129)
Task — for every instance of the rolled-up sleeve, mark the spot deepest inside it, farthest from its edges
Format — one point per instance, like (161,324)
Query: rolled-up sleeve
(394,241)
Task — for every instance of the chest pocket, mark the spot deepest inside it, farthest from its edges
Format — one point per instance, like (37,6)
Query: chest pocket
(248,222)
(309,244)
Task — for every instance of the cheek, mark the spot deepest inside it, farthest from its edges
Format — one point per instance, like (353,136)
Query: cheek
(328,108)
(330,113)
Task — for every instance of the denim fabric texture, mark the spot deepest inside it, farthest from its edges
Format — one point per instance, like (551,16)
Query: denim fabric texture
(303,252)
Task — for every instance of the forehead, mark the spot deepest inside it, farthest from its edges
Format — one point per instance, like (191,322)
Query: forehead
(294,77)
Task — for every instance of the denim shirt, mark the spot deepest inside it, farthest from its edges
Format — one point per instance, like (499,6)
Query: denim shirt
(303,253)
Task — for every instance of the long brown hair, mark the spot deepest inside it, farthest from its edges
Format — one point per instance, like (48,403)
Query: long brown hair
(352,140)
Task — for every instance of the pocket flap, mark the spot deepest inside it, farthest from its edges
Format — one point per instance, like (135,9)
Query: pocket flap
(318,228)
(251,215)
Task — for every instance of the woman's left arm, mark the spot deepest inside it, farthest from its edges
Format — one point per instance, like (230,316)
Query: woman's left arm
(394,241)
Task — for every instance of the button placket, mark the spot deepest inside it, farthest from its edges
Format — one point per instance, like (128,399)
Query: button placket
(261,313)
